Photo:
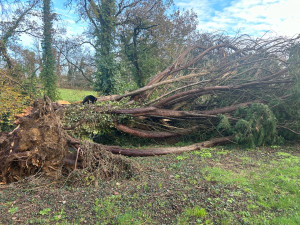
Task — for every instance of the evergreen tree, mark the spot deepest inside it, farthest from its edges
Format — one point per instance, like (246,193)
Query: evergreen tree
(48,75)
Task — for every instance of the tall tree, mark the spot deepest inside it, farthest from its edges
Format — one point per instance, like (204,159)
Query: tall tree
(48,75)
(141,33)
(105,60)
(104,16)
(153,35)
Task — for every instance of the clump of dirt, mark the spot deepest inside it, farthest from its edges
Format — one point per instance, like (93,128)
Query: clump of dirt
(37,144)
(41,144)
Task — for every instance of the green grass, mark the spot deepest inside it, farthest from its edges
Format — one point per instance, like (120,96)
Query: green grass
(212,186)
(73,95)
(195,212)
(274,187)
(108,211)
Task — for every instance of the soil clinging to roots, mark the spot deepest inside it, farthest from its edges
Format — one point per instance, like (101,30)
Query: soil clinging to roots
(40,144)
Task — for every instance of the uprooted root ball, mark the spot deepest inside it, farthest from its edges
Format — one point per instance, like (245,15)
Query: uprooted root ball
(40,144)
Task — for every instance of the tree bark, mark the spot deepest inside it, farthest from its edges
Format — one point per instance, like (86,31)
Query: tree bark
(170,150)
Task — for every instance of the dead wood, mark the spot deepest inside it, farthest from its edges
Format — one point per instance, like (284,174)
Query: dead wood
(40,144)
(164,113)
(155,134)
(145,133)
(195,93)
(169,150)
(177,65)
(227,109)
(216,64)
(246,70)
(153,86)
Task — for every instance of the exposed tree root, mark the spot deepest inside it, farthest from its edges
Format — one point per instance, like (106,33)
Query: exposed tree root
(37,144)
(40,144)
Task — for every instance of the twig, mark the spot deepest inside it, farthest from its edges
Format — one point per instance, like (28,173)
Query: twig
(78,150)
(295,132)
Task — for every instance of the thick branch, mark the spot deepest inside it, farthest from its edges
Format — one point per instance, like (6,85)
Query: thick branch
(145,133)
(174,69)
(170,150)
(195,93)
(146,88)
(227,109)
(156,112)
(154,134)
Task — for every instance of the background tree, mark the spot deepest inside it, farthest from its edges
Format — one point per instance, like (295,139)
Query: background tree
(16,22)
(102,17)
(134,39)
(26,68)
(152,35)
(14,67)
(48,75)
(104,46)
(77,63)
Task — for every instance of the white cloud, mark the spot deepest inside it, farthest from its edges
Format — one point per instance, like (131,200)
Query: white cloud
(254,17)
(69,21)
(202,8)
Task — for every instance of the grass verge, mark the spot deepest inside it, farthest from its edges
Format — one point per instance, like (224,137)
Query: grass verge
(213,186)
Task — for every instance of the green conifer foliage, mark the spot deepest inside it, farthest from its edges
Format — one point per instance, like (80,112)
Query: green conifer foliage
(287,110)
(256,127)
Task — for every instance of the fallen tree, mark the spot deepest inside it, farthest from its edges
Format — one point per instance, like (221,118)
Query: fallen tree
(206,88)
(220,90)
(41,144)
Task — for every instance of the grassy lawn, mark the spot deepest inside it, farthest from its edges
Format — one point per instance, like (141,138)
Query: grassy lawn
(73,95)
(212,186)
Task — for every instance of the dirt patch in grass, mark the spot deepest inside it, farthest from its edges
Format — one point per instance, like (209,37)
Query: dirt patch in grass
(213,186)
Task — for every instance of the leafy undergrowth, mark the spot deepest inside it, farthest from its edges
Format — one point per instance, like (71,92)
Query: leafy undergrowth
(212,186)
